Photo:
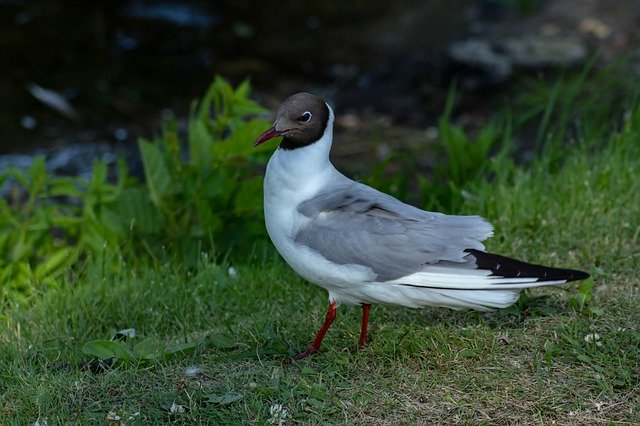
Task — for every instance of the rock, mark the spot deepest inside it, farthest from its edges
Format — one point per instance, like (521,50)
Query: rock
(484,62)
(596,27)
(536,52)
(75,159)
(481,63)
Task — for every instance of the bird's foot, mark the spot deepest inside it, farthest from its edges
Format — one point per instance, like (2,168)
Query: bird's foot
(303,355)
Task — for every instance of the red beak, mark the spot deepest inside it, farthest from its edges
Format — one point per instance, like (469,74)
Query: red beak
(269,134)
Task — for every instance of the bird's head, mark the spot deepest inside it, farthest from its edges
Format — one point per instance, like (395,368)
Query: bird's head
(300,120)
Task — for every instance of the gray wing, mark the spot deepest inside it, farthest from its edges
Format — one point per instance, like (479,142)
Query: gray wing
(355,224)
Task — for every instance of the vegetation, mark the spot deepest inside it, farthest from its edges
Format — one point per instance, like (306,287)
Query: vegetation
(191,202)
(180,259)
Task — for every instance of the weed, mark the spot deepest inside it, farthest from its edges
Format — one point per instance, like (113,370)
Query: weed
(581,301)
(48,223)
(208,201)
(204,201)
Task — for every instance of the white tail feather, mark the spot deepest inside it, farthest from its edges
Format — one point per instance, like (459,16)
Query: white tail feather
(470,280)
(416,297)
(481,299)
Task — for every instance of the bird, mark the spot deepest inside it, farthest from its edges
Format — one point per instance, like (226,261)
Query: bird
(366,247)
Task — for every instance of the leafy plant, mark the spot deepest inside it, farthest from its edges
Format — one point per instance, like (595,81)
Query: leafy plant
(200,196)
(208,198)
(461,159)
(466,159)
(590,102)
(48,223)
(118,351)
(610,355)
(581,301)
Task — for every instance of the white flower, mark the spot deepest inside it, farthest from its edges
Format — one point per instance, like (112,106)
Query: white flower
(593,338)
(129,333)
(113,416)
(176,408)
(192,371)
(232,272)
(278,415)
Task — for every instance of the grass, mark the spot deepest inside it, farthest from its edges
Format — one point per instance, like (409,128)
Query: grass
(536,363)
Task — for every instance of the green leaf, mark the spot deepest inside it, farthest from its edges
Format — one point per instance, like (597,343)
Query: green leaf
(65,186)
(149,349)
(467,353)
(200,146)
(240,142)
(308,371)
(91,237)
(227,398)
(56,264)
(137,212)
(98,176)
(595,310)
(222,341)
(38,178)
(243,89)
(182,348)
(105,349)
(581,300)
(245,201)
(155,171)
(584,358)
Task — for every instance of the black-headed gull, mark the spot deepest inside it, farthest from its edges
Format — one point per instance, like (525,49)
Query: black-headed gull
(365,246)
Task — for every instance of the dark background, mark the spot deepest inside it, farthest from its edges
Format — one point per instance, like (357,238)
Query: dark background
(123,65)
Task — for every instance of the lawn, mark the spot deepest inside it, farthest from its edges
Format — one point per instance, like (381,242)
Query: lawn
(213,342)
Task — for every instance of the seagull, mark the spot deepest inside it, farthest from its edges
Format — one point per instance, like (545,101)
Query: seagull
(364,246)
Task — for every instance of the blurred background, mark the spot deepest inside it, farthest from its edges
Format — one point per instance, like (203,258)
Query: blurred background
(79,78)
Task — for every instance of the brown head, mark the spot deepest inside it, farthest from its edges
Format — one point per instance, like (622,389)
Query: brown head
(300,120)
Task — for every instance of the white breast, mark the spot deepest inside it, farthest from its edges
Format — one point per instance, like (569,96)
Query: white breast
(292,177)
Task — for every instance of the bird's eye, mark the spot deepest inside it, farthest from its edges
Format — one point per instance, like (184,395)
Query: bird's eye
(305,117)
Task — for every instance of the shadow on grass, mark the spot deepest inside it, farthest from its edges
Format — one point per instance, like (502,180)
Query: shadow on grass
(527,307)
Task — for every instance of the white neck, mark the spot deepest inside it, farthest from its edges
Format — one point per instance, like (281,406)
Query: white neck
(303,169)
(296,175)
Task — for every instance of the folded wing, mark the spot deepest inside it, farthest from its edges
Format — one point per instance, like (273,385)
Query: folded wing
(355,224)
(403,245)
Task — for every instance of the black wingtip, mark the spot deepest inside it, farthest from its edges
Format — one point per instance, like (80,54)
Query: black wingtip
(513,268)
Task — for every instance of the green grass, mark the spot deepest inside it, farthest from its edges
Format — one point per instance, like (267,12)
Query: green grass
(576,207)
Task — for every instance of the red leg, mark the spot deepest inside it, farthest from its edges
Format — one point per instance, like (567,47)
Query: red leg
(365,323)
(315,346)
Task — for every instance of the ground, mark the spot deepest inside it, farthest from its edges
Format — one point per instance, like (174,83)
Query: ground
(567,355)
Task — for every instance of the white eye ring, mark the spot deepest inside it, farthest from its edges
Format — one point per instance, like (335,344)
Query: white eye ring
(305,117)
